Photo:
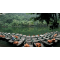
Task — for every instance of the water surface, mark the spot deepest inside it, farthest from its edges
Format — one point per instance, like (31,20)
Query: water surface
(25,31)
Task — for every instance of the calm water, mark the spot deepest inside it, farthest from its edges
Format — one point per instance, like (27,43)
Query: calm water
(25,31)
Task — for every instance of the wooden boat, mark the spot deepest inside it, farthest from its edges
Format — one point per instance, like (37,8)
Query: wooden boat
(36,46)
(10,41)
(57,39)
(58,36)
(47,43)
(41,38)
(29,43)
(37,41)
(19,44)
(30,40)
(28,37)
(46,38)
(7,38)
(2,37)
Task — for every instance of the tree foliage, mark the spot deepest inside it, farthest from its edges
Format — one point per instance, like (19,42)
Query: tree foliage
(18,19)
(48,17)
(15,19)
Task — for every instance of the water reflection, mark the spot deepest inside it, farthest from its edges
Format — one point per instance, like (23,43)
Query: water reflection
(25,31)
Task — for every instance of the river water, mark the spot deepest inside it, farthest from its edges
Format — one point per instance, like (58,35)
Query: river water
(25,31)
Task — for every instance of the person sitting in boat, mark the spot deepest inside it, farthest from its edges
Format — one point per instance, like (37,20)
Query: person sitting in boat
(26,45)
(38,44)
(13,38)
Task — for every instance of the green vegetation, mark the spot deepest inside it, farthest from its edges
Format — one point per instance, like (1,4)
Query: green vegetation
(27,19)
(50,18)
(16,19)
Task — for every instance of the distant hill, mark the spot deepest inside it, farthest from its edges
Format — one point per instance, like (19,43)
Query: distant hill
(17,16)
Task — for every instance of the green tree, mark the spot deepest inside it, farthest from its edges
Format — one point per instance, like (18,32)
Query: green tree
(48,17)
(15,23)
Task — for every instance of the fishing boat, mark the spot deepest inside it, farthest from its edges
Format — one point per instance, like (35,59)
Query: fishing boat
(35,41)
(18,43)
(46,39)
(35,44)
(48,43)
(28,43)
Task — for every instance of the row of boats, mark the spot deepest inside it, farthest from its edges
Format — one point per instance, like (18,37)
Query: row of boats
(20,40)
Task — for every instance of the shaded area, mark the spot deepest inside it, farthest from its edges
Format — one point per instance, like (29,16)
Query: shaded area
(5,44)
(50,18)
(57,45)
